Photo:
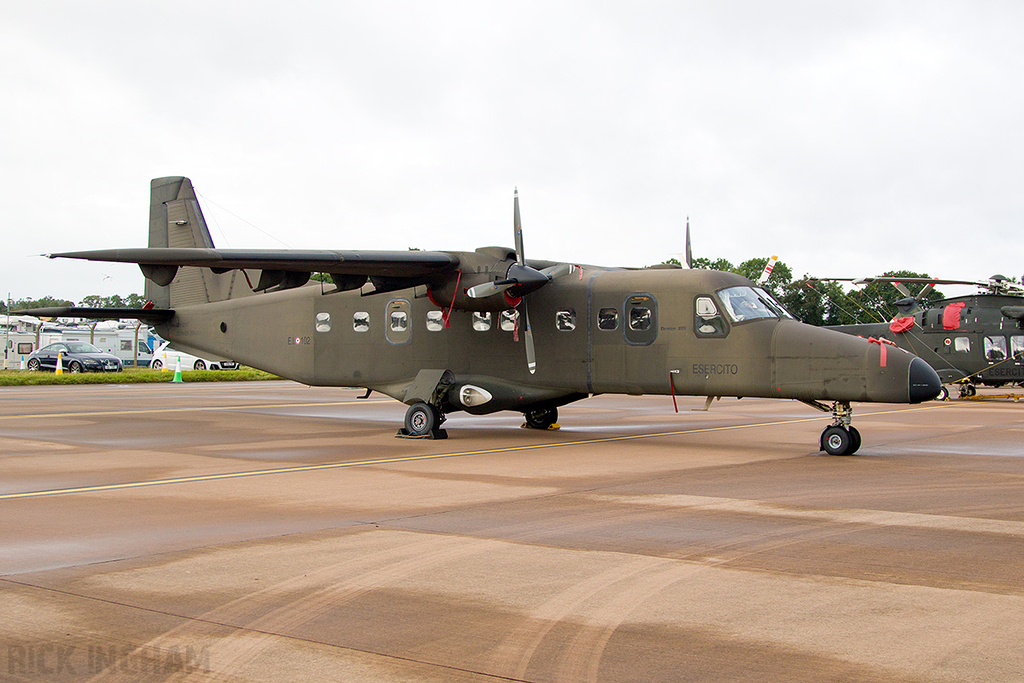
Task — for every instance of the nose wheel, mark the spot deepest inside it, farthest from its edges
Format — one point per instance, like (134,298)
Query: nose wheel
(841,437)
(840,440)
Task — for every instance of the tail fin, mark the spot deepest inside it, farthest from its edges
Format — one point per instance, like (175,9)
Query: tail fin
(176,220)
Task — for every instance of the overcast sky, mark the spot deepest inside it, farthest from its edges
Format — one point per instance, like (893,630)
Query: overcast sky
(849,138)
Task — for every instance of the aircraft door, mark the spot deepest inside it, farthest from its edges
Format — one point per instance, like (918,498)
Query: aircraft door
(398,323)
(640,319)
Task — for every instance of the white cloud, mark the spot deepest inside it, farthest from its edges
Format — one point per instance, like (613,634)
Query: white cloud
(848,139)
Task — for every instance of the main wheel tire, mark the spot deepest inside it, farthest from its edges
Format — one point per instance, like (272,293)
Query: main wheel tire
(33,364)
(836,440)
(74,367)
(854,440)
(199,365)
(421,419)
(541,418)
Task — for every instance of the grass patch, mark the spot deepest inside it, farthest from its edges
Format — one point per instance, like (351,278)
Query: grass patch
(22,378)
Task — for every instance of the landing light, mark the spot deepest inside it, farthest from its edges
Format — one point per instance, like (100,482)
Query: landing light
(471,396)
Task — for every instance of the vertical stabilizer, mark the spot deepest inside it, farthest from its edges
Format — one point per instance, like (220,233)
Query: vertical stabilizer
(176,221)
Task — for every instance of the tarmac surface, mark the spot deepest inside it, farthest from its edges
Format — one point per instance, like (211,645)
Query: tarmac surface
(275,532)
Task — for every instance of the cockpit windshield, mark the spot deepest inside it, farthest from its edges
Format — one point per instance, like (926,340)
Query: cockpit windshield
(744,303)
(774,303)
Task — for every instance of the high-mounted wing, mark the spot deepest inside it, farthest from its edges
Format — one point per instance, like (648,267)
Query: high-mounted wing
(160,264)
(153,316)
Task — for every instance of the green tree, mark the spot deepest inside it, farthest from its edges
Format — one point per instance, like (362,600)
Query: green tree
(780,277)
(113,301)
(717,264)
(822,302)
(814,302)
(44,302)
(827,303)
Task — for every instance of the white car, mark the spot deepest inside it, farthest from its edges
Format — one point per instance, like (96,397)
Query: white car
(168,358)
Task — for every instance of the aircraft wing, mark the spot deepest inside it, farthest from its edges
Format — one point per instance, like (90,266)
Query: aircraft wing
(149,315)
(379,263)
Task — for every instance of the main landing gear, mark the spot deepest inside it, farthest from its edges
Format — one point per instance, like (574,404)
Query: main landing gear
(423,420)
(541,418)
(841,437)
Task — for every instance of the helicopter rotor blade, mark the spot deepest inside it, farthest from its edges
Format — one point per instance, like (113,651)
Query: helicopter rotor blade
(767,272)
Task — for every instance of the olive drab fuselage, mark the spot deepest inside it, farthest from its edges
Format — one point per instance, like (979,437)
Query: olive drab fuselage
(488,330)
(586,341)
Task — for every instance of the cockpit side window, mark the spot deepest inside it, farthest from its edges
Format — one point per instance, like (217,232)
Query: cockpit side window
(743,304)
(707,321)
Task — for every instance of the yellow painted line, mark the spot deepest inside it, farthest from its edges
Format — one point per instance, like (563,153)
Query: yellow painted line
(143,411)
(416,458)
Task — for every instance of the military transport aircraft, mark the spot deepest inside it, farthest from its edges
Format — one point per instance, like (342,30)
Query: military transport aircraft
(968,340)
(448,331)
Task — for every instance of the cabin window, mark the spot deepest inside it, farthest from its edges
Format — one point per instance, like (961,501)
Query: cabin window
(742,304)
(26,348)
(1017,346)
(435,321)
(509,319)
(361,321)
(565,320)
(639,318)
(126,344)
(995,348)
(481,321)
(323,322)
(708,322)
(640,315)
(608,319)
(962,344)
(399,321)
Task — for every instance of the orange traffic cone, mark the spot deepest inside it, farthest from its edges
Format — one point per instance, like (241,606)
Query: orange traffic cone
(60,365)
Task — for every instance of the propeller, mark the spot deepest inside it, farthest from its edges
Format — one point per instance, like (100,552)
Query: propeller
(520,280)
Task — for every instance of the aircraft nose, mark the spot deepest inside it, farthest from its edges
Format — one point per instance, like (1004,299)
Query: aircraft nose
(924,382)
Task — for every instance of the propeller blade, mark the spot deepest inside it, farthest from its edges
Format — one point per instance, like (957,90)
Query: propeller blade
(517,227)
(559,270)
(489,288)
(689,252)
(531,353)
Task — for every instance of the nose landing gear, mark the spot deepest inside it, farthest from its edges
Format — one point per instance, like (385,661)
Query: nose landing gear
(841,437)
